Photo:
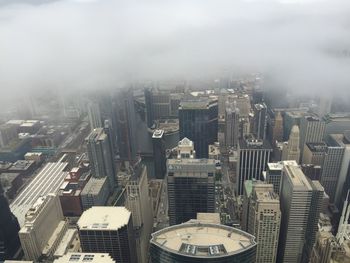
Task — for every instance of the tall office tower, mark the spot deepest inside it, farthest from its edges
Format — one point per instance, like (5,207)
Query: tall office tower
(202,242)
(191,184)
(231,125)
(9,227)
(312,129)
(253,156)
(247,192)
(291,150)
(157,104)
(314,215)
(343,180)
(139,203)
(274,174)
(126,126)
(290,119)
(264,221)
(314,153)
(185,149)
(199,122)
(108,229)
(331,166)
(260,121)
(43,229)
(277,130)
(299,214)
(324,105)
(101,156)
(159,154)
(78,257)
(94,114)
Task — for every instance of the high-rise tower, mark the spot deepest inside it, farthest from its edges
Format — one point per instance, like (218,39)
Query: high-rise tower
(291,150)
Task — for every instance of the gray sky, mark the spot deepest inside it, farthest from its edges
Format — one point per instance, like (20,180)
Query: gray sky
(95,43)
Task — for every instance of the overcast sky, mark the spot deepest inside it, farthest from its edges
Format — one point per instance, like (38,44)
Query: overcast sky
(95,43)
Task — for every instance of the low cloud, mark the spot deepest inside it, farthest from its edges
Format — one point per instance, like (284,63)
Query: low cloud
(67,44)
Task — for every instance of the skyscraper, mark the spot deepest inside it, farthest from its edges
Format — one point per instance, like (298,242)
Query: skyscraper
(260,121)
(157,104)
(277,131)
(9,227)
(110,230)
(126,125)
(312,129)
(264,218)
(159,154)
(300,213)
(199,122)
(43,229)
(101,156)
(139,203)
(253,156)
(331,166)
(190,188)
(94,114)
(291,150)
(231,125)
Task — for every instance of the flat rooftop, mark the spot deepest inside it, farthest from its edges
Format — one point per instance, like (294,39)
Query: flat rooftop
(316,146)
(194,165)
(48,180)
(297,176)
(104,218)
(203,240)
(85,257)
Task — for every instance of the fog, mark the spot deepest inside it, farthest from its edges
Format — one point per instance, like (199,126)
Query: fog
(68,44)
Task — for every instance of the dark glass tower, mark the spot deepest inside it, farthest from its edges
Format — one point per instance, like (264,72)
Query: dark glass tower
(9,227)
(159,154)
(199,122)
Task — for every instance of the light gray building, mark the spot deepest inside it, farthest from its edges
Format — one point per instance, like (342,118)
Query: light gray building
(300,213)
(95,193)
(101,156)
(264,218)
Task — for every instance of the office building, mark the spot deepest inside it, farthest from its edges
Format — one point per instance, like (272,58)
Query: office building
(253,156)
(158,104)
(291,118)
(201,242)
(337,123)
(291,150)
(85,257)
(159,154)
(300,214)
(48,180)
(9,227)
(8,132)
(314,153)
(43,228)
(110,230)
(126,128)
(231,125)
(94,114)
(138,202)
(260,121)
(331,166)
(191,184)
(312,129)
(277,130)
(95,193)
(199,123)
(101,156)
(264,218)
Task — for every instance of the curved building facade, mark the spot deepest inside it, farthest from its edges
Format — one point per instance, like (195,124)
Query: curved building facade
(205,243)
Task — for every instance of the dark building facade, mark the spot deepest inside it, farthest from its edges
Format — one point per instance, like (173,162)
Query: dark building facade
(159,154)
(191,184)
(199,122)
(9,227)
